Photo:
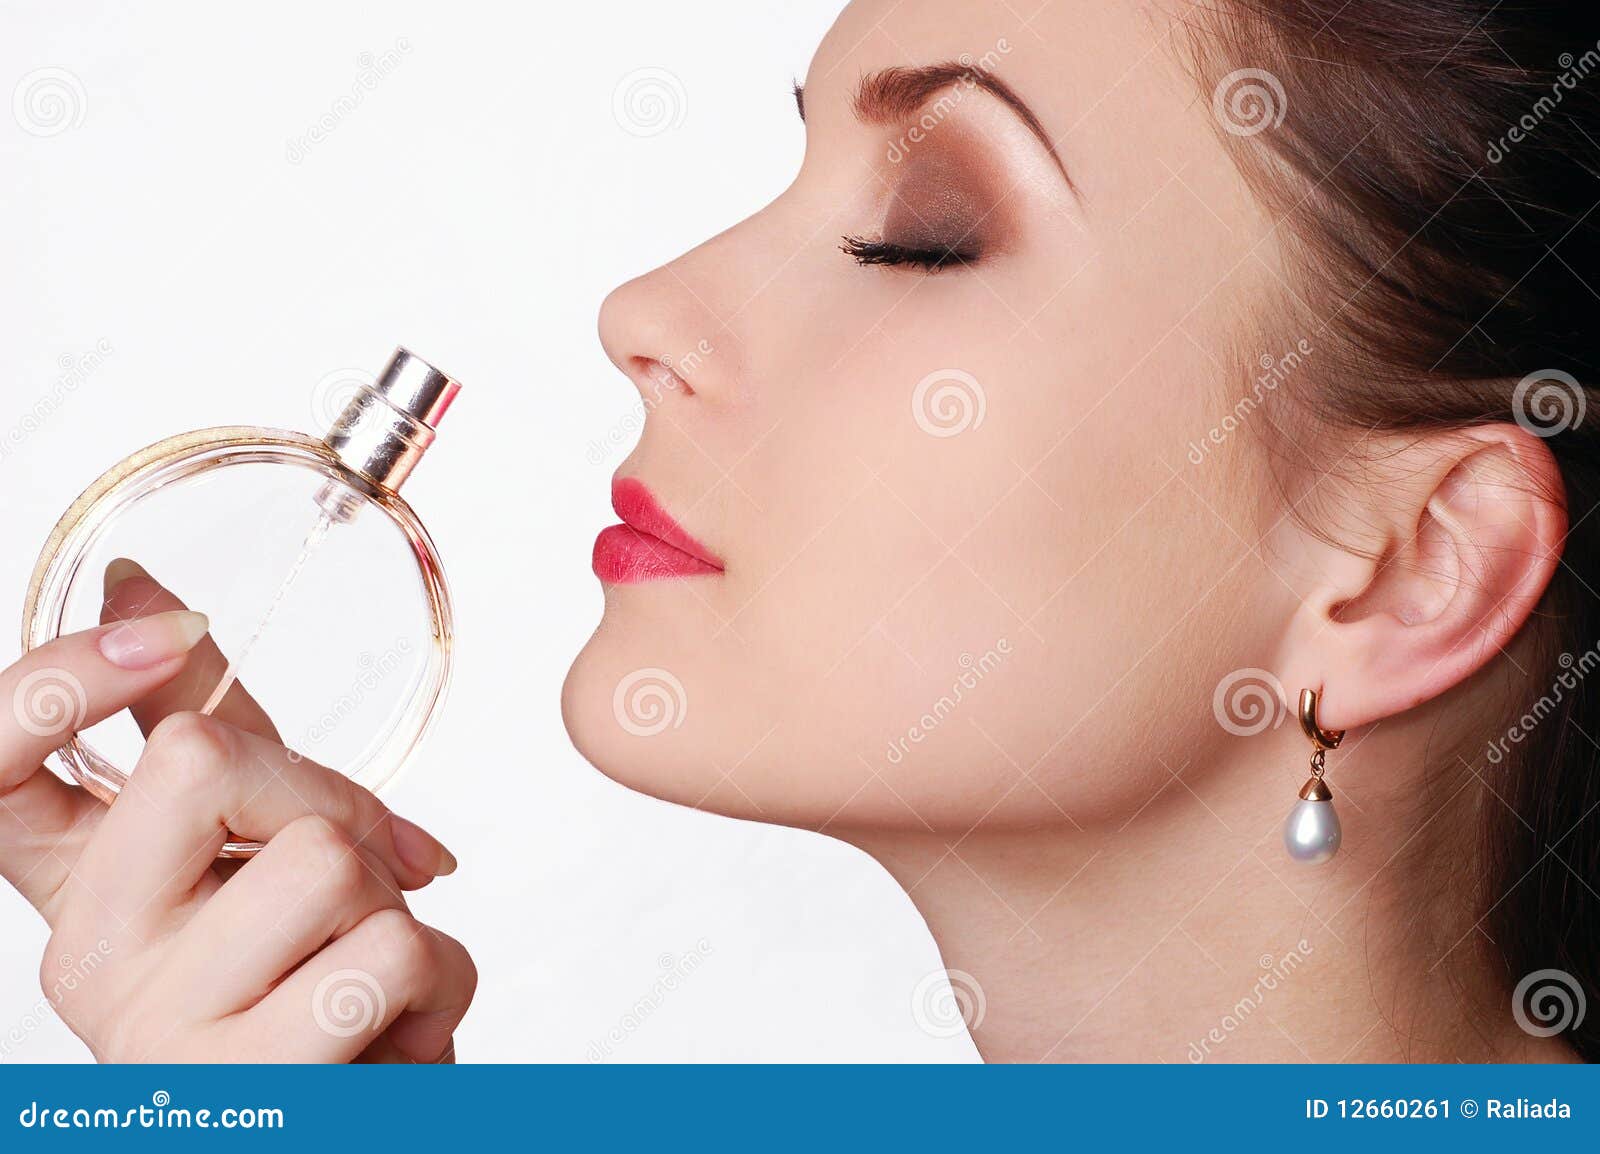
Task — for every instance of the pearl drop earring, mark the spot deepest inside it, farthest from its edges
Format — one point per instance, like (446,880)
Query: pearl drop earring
(1311,833)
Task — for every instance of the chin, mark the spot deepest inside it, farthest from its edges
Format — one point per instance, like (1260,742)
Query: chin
(643,716)
(699,724)
(704,725)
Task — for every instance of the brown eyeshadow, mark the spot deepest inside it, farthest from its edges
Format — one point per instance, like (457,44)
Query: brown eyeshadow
(943,198)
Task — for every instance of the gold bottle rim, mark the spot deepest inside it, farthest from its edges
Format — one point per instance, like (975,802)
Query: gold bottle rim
(151,457)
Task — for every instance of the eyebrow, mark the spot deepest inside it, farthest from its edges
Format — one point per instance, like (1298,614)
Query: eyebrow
(892,95)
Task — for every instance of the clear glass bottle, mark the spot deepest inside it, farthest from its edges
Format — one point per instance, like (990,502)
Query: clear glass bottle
(325,593)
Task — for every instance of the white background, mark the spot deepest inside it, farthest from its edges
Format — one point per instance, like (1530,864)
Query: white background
(476,206)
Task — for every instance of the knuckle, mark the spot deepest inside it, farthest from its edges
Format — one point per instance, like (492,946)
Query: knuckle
(403,944)
(353,803)
(324,853)
(184,753)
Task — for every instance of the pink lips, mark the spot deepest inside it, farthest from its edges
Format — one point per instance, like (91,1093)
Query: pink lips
(649,545)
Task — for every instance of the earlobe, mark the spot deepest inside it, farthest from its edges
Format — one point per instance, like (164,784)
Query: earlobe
(1472,531)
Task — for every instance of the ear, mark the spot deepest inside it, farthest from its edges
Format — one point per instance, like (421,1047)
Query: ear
(1457,546)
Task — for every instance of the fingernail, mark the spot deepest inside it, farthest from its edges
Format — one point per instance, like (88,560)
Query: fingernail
(149,641)
(419,849)
(120,570)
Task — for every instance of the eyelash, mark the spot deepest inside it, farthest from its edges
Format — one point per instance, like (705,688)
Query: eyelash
(878,252)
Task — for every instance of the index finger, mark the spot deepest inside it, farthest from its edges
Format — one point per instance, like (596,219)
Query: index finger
(200,780)
(131,592)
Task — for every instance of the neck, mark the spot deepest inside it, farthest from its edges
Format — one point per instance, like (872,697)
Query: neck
(1189,935)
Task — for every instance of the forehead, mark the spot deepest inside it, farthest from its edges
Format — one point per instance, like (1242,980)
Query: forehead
(1108,79)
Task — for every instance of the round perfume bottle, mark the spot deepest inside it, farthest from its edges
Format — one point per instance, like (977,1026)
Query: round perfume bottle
(325,594)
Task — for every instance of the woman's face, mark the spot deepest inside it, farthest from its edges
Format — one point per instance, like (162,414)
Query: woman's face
(983,530)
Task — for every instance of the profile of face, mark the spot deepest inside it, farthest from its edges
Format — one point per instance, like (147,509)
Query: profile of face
(1007,478)
(949,509)
(930,413)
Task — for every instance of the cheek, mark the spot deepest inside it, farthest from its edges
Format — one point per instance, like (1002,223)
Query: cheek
(994,582)
(977,579)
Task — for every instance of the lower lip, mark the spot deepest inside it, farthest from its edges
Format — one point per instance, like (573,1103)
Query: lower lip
(625,556)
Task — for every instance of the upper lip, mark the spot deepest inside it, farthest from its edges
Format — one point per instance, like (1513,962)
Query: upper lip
(641,512)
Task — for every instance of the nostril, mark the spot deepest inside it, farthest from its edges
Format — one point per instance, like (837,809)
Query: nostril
(657,379)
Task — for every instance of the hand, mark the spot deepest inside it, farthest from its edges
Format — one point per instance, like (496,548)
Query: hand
(305,953)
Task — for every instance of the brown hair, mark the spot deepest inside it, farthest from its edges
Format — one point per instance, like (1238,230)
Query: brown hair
(1435,167)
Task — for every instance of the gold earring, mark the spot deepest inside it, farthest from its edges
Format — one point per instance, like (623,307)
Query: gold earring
(1311,833)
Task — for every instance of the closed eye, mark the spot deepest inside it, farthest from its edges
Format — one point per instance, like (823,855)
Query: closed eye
(931,258)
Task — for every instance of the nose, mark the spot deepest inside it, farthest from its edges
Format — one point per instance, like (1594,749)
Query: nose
(665,329)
